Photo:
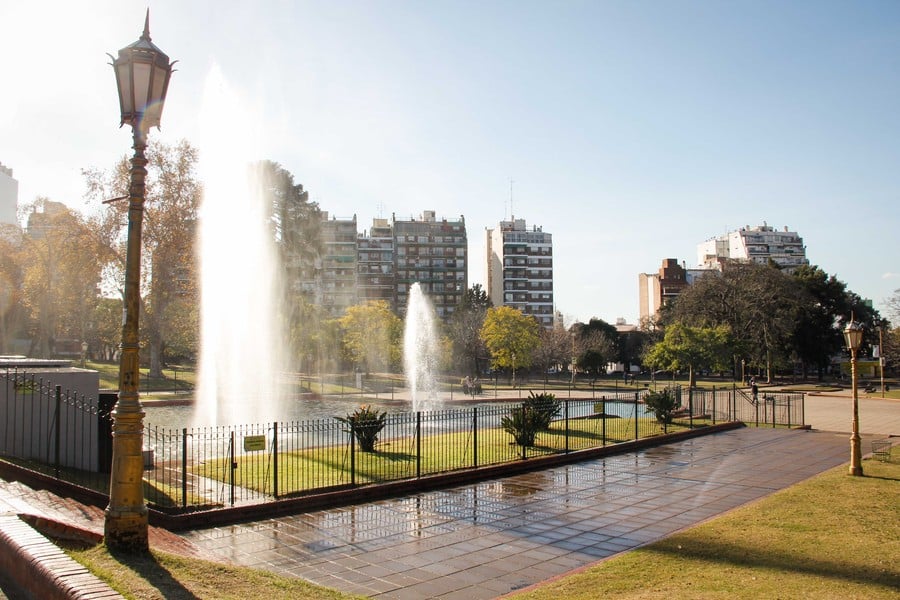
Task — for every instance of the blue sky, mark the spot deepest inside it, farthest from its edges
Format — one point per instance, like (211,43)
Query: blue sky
(632,131)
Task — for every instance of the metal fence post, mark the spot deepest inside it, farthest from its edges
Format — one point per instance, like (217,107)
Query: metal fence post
(275,459)
(474,436)
(524,447)
(184,467)
(567,426)
(352,458)
(57,435)
(418,444)
(636,431)
(232,464)
(691,407)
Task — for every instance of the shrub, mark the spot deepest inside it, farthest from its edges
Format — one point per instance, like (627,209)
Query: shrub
(662,404)
(365,424)
(534,415)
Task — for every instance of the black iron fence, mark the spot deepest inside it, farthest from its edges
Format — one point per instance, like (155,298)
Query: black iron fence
(67,436)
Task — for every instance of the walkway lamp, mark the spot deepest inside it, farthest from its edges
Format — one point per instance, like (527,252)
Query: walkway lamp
(142,75)
(853,334)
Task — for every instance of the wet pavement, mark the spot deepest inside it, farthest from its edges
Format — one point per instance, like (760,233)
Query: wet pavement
(485,539)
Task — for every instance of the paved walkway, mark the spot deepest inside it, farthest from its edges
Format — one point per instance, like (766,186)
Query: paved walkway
(486,539)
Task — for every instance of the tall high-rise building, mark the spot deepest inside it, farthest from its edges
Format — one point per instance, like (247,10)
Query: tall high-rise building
(758,244)
(9,196)
(339,260)
(375,263)
(434,254)
(520,269)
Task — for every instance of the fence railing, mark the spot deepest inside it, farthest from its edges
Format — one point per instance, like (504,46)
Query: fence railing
(67,436)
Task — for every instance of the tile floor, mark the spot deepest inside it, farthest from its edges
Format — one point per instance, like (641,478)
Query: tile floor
(486,539)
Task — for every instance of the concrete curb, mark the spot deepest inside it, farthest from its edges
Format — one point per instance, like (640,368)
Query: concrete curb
(39,567)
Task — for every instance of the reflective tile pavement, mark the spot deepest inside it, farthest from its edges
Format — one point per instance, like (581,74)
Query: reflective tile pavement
(485,539)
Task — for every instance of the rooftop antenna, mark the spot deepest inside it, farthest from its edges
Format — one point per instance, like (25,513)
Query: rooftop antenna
(380,208)
(511,211)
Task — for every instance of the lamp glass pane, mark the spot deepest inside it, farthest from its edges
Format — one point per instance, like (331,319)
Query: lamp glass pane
(123,76)
(141,85)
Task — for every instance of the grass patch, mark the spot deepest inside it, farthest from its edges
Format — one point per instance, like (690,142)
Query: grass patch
(162,575)
(834,536)
(400,457)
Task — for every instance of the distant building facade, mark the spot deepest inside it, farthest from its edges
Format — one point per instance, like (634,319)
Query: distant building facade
(657,289)
(434,254)
(375,263)
(758,244)
(339,264)
(9,196)
(520,269)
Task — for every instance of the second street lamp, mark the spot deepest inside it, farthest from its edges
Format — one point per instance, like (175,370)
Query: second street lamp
(853,335)
(142,75)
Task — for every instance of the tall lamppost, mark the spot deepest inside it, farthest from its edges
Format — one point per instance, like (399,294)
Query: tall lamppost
(142,75)
(853,334)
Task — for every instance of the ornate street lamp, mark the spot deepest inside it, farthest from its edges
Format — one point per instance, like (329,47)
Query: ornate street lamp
(142,75)
(853,334)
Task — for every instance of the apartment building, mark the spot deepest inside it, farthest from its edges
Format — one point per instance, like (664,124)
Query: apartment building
(435,254)
(339,264)
(758,244)
(9,196)
(375,263)
(520,269)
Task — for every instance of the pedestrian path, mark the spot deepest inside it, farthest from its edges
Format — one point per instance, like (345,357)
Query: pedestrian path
(486,539)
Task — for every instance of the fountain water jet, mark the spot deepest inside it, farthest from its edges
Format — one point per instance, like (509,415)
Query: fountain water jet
(241,348)
(420,351)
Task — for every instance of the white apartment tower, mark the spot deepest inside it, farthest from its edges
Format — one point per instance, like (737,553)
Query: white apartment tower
(520,269)
(9,196)
(757,244)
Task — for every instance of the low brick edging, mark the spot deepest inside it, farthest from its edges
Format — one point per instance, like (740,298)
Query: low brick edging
(39,567)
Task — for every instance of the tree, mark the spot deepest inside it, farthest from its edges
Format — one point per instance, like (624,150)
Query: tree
(595,345)
(371,336)
(817,336)
(759,304)
(13,317)
(171,203)
(556,347)
(60,262)
(464,328)
(691,348)
(510,337)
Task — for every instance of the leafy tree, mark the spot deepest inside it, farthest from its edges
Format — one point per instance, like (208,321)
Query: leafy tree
(371,335)
(171,203)
(595,344)
(691,348)
(510,337)
(817,335)
(13,316)
(60,262)
(296,222)
(556,347)
(464,328)
(759,304)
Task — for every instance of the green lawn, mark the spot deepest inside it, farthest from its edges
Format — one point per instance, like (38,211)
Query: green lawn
(834,536)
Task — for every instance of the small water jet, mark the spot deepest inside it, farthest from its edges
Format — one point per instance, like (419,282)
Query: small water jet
(421,352)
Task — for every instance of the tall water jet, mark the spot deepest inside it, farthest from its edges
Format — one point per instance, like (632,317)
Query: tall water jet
(421,351)
(241,348)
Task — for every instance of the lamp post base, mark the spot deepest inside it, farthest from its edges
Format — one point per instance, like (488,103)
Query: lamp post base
(126,530)
(855,456)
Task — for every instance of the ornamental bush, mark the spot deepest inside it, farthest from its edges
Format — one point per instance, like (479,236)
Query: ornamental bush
(662,404)
(534,415)
(365,425)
